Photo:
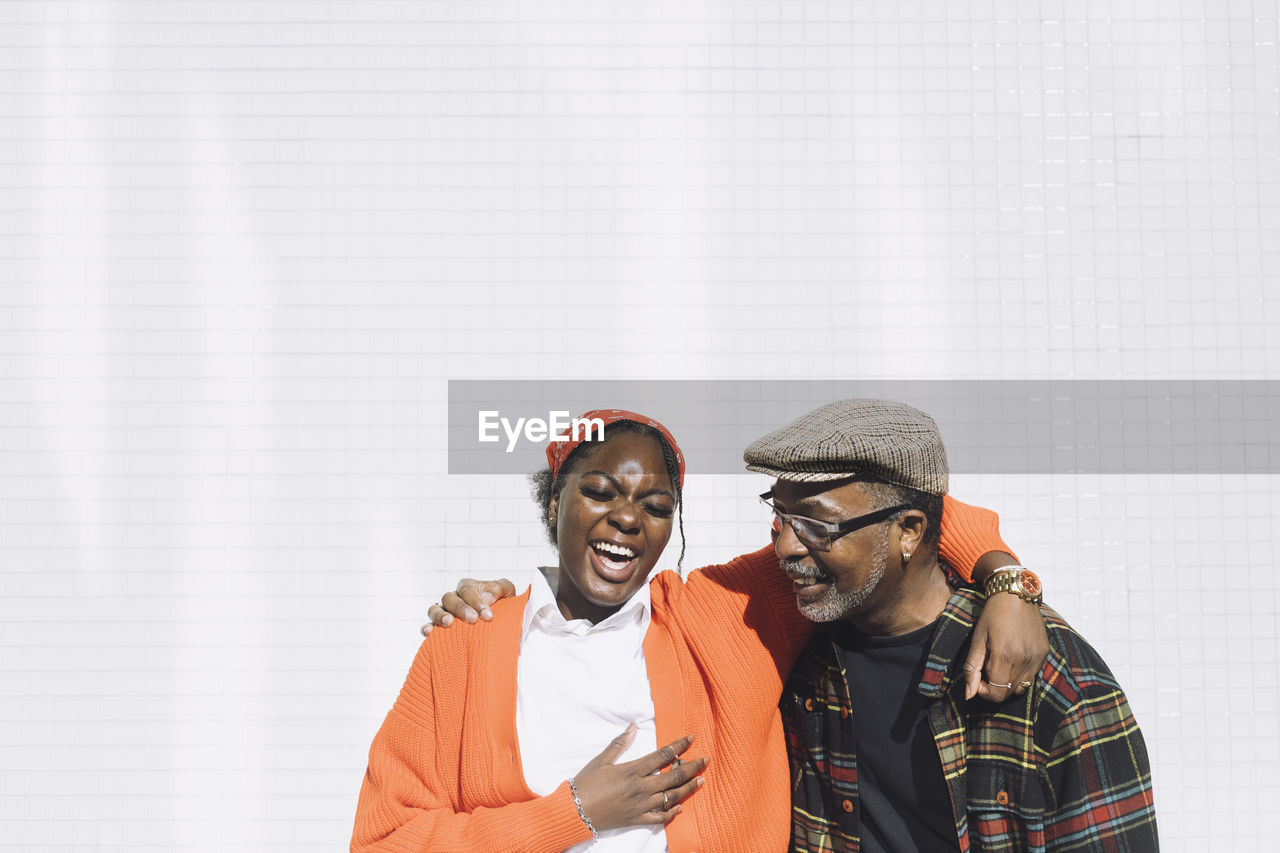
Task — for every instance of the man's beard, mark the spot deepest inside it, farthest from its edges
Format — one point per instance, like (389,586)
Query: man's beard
(836,603)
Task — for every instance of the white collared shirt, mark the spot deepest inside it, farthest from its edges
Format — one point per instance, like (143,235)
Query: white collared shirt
(578,685)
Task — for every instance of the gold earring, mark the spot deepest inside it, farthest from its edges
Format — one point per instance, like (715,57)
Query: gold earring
(906,558)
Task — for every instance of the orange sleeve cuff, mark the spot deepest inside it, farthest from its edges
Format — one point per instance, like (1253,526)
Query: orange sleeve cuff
(968,532)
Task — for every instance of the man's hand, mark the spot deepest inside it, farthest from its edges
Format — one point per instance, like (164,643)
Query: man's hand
(1008,649)
(636,793)
(469,602)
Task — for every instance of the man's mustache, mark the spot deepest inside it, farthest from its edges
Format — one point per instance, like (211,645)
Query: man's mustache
(796,568)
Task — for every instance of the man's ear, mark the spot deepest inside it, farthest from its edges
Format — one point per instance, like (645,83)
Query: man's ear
(914,524)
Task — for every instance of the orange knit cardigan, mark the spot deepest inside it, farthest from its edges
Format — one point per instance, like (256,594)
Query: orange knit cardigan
(444,770)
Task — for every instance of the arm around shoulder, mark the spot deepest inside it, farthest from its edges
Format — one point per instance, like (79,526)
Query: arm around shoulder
(750,595)
(968,532)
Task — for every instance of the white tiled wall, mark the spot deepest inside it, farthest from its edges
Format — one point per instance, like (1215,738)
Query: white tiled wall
(243,245)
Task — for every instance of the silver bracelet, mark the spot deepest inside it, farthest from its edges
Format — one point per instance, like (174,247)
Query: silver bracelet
(577,801)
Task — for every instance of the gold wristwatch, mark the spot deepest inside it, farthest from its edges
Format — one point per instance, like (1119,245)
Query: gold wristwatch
(1017,580)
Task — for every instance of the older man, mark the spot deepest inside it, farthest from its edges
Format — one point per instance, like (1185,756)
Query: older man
(886,753)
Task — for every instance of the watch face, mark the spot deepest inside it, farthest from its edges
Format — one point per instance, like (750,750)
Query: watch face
(1029,582)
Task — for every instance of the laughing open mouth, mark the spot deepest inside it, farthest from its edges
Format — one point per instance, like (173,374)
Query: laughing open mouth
(616,561)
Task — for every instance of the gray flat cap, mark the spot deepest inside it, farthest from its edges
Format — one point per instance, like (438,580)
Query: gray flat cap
(882,438)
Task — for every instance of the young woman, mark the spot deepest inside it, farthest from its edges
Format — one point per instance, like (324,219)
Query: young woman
(493,741)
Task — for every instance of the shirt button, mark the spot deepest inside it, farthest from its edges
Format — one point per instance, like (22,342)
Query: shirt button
(847,805)
(1003,798)
(844,713)
(808,704)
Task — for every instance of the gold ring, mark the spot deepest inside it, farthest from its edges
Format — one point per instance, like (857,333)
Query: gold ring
(1008,686)
(666,804)
(1024,684)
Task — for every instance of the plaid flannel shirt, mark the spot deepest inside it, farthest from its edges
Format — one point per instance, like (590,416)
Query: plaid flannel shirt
(1061,768)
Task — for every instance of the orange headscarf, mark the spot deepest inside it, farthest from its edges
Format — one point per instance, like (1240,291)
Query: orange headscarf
(558,451)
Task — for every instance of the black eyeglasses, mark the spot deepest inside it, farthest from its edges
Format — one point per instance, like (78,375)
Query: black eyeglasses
(818,535)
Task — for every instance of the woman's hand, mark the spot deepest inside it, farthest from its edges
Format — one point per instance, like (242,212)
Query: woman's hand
(1009,647)
(469,602)
(636,793)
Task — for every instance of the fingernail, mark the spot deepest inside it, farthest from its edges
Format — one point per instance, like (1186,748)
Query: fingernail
(698,783)
(486,614)
(447,620)
(470,615)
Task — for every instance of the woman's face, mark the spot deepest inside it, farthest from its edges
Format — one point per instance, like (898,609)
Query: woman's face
(613,517)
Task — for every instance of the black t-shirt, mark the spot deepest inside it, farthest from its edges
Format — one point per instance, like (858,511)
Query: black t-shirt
(906,806)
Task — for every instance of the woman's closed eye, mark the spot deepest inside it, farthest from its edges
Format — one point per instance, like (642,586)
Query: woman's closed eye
(596,494)
(659,510)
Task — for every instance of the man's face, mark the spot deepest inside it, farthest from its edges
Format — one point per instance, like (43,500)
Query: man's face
(835,584)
